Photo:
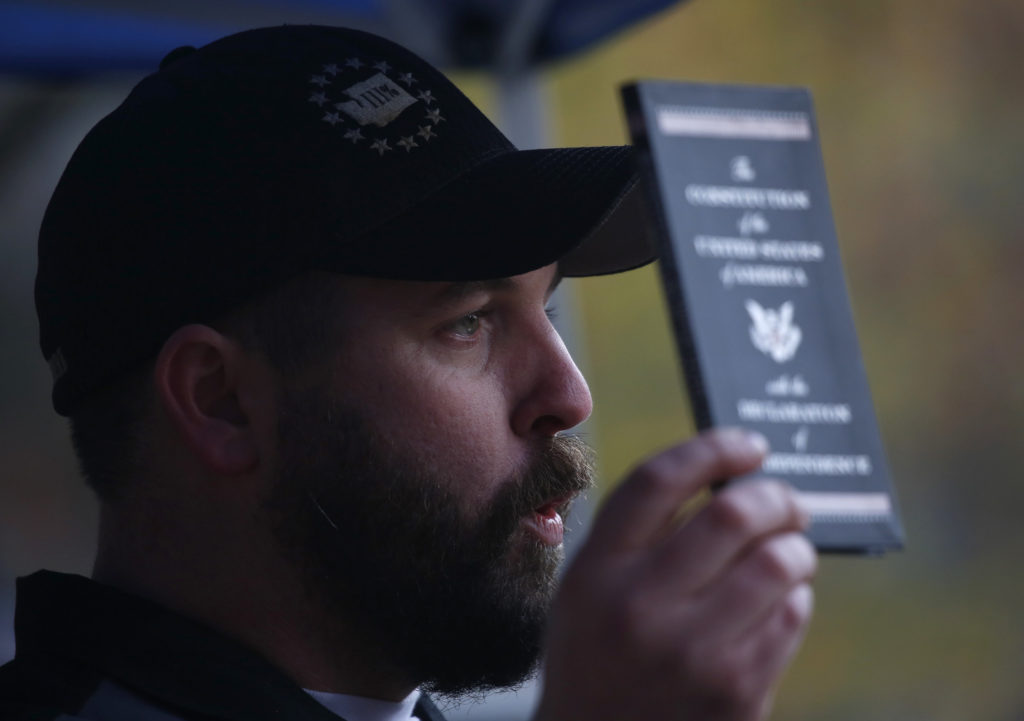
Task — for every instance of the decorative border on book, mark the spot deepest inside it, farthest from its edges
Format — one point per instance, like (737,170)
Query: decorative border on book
(709,122)
(824,507)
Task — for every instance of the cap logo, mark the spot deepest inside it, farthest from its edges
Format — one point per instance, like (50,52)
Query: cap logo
(377,100)
(362,111)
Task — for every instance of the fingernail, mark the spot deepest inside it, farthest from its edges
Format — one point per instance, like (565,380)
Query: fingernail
(759,442)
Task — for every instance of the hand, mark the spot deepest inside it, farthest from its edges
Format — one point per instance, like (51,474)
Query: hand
(657,620)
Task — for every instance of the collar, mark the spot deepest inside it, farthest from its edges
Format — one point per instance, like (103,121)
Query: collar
(154,651)
(368,709)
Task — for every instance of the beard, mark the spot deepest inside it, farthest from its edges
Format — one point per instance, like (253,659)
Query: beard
(456,603)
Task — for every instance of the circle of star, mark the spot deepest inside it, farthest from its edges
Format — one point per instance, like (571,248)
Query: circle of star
(338,72)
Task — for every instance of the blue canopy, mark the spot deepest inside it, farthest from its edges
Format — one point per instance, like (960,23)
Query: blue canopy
(54,39)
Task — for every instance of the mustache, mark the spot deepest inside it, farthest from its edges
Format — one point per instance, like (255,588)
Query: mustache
(562,468)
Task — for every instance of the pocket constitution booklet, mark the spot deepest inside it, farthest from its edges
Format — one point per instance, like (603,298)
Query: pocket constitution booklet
(753,280)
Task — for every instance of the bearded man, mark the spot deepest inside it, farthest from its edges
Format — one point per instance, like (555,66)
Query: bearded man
(294,293)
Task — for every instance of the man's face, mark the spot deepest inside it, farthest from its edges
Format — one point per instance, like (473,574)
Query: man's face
(420,480)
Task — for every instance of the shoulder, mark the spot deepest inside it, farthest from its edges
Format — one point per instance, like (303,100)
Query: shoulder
(28,692)
(36,690)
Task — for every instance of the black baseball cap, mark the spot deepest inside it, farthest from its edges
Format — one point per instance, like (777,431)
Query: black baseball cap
(281,150)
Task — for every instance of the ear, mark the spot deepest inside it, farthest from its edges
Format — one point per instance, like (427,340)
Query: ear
(200,380)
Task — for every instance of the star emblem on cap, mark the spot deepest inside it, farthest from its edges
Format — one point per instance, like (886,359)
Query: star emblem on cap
(342,90)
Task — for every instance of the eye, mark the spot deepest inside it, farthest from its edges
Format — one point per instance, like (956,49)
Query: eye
(551,312)
(467,326)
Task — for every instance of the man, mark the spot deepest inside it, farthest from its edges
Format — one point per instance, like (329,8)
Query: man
(294,296)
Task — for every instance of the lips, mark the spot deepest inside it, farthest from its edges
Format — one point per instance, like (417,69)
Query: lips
(546,521)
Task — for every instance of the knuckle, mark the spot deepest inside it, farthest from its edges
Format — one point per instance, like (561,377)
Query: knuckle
(776,499)
(810,557)
(701,454)
(805,558)
(732,513)
(714,442)
(707,447)
(788,503)
(776,563)
(786,559)
(797,609)
(777,493)
(654,477)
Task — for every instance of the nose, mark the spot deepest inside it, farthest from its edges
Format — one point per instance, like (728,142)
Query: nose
(555,395)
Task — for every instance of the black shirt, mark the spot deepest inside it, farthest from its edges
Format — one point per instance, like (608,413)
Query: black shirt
(89,651)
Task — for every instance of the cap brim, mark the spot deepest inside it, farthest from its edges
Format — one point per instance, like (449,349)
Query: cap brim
(516,212)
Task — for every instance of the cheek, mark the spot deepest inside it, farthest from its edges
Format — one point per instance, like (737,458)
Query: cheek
(455,426)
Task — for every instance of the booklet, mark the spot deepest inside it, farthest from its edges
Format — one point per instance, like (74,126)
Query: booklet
(752,276)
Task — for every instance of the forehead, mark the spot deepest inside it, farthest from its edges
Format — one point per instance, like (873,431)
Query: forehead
(417,298)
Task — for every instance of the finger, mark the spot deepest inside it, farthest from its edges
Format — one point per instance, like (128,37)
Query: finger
(752,590)
(723,531)
(737,678)
(773,645)
(647,501)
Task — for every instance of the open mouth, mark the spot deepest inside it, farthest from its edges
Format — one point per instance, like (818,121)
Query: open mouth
(546,521)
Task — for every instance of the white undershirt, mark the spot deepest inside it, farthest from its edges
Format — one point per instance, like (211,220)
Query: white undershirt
(360,708)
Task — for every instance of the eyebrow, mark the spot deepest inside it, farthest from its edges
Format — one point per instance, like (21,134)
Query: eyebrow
(456,291)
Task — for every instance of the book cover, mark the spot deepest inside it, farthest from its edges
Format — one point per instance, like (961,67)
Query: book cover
(750,264)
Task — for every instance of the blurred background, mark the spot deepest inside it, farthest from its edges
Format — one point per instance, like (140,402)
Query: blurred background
(921,115)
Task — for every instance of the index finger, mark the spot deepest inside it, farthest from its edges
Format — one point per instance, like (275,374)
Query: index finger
(647,501)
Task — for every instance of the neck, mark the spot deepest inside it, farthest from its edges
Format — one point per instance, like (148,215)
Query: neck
(230,575)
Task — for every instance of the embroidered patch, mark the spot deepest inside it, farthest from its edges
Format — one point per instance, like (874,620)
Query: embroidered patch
(377,100)
(362,108)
